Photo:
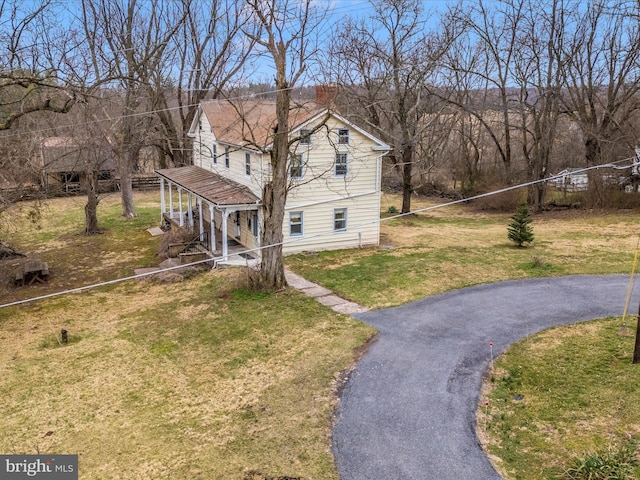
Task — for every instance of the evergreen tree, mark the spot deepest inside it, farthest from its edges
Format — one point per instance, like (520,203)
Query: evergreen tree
(520,230)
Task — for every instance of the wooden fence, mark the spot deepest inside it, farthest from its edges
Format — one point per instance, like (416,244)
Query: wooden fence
(32,192)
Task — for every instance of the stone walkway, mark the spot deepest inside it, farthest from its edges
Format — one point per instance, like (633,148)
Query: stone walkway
(324,296)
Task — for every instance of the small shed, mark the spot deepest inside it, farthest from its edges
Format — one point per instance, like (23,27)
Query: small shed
(66,163)
(571,180)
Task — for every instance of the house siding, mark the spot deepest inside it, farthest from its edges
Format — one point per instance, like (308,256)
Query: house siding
(317,198)
(317,194)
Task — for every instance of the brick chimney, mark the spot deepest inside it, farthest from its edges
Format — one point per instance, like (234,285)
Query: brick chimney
(326,94)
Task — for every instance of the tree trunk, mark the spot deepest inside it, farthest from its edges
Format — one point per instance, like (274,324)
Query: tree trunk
(275,193)
(592,150)
(272,267)
(126,190)
(407,172)
(91,208)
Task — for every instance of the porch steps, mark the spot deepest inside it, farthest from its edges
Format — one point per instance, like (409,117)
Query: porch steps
(194,253)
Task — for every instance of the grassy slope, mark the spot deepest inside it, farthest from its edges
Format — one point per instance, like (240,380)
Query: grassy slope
(188,380)
(198,379)
(201,379)
(453,247)
(579,394)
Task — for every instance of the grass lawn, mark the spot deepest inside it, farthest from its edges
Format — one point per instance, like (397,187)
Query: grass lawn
(200,379)
(559,395)
(204,379)
(454,247)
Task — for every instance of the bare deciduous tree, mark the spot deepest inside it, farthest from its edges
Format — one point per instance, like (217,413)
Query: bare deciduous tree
(128,41)
(387,61)
(600,60)
(286,33)
(37,72)
(537,74)
(206,54)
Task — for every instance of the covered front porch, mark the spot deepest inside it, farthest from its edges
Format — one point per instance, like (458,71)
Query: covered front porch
(223,214)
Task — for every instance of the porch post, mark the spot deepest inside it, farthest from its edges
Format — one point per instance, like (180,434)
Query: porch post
(180,211)
(213,228)
(200,218)
(163,204)
(170,203)
(190,208)
(225,248)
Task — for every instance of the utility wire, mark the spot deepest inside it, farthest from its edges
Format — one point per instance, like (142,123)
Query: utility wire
(217,260)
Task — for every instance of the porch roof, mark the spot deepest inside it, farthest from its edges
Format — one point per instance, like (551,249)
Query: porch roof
(209,186)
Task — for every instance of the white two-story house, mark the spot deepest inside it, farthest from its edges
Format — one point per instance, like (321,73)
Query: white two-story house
(334,176)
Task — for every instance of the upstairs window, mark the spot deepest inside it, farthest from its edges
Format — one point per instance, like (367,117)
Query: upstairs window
(247,163)
(226,157)
(296,166)
(341,165)
(343,136)
(305,137)
(214,153)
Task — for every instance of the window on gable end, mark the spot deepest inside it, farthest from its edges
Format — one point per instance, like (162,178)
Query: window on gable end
(296,166)
(247,163)
(214,154)
(343,136)
(226,157)
(305,137)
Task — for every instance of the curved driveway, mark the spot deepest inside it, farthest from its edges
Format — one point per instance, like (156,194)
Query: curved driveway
(408,409)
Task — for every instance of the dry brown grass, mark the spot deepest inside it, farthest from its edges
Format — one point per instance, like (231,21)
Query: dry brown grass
(149,388)
(576,383)
(457,246)
(201,379)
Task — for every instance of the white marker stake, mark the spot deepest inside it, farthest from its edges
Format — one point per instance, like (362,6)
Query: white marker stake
(491,351)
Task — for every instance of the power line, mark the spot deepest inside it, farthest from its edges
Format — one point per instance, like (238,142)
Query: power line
(217,260)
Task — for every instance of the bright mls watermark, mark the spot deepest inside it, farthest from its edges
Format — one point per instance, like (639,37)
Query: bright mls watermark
(46,467)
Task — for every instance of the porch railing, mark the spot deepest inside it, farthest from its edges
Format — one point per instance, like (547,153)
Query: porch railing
(200,240)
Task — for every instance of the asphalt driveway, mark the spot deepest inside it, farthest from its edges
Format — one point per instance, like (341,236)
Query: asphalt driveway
(408,409)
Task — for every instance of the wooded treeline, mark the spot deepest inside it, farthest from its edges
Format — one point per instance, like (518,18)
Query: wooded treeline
(477,96)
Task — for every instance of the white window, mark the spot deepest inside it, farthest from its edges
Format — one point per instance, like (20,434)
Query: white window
(343,136)
(226,157)
(295,224)
(341,166)
(305,137)
(247,163)
(296,166)
(214,153)
(340,220)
